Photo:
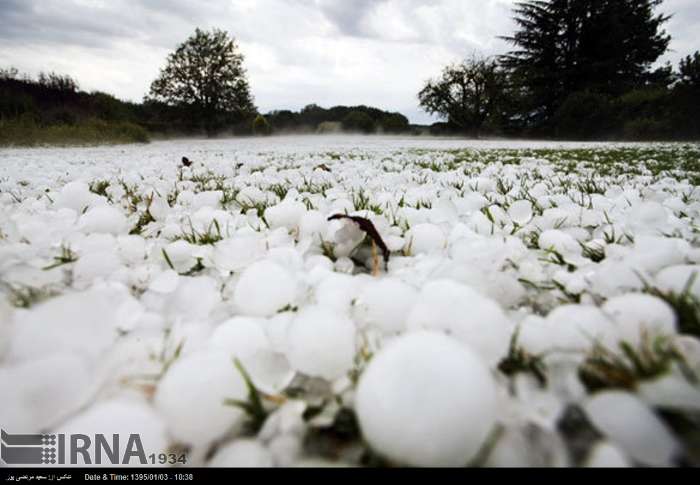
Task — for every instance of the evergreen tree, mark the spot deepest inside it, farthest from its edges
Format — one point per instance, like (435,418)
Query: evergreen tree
(569,46)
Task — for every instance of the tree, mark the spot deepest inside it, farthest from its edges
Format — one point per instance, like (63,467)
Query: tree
(466,94)
(358,121)
(261,127)
(569,46)
(205,77)
(690,71)
(394,123)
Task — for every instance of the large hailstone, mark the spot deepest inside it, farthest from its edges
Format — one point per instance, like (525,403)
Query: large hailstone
(286,214)
(242,454)
(103,220)
(40,393)
(238,252)
(191,397)
(321,343)
(385,304)
(74,323)
(123,418)
(632,425)
(425,239)
(636,314)
(246,340)
(264,289)
(520,212)
(6,313)
(466,314)
(677,279)
(426,400)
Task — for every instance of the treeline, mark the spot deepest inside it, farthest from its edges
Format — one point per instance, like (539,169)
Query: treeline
(580,69)
(52,109)
(346,119)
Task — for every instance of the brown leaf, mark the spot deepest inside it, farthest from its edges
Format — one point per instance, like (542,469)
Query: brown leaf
(368,227)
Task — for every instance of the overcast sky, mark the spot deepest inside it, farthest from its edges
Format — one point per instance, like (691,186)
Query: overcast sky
(329,52)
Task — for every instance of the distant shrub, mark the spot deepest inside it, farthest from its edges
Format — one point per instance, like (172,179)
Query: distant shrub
(329,128)
(647,129)
(585,115)
(261,127)
(27,132)
(394,123)
(358,122)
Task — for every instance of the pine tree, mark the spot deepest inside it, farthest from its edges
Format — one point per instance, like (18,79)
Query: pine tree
(569,46)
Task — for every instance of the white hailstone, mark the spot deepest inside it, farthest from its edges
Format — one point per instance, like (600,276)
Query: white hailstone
(276,331)
(528,446)
(264,289)
(321,343)
(41,393)
(245,339)
(238,252)
(191,397)
(559,241)
(206,199)
(444,211)
(286,214)
(385,304)
(337,291)
(670,392)
(676,279)
(95,265)
(242,454)
(76,322)
(123,418)
(240,337)
(132,249)
(607,455)
(103,220)
(426,400)
(629,423)
(648,217)
(251,195)
(520,212)
(286,449)
(425,239)
(612,278)
(165,283)
(690,348)
(480,224)
(159,208)
(636,314)
(344,265)
(556,217)
(464,313)
(288,419)
(578,328)
(6,317)
(77,196)
(194,298)
(180,254)
(312,225)
(652,253)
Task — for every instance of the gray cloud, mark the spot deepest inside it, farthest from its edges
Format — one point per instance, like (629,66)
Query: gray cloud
(297,51)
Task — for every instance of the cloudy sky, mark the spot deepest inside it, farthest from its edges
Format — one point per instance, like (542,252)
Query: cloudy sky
(375,52)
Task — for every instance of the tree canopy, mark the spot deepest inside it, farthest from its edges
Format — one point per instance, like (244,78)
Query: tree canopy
(206,76)
(465,94)
(569,46)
